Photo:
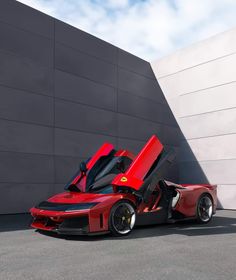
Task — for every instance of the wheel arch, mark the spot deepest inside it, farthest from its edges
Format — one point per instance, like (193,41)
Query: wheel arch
(125,199)
(205,193)
(131,202)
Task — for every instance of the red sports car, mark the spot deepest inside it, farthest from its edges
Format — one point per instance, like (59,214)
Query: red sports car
(116,190)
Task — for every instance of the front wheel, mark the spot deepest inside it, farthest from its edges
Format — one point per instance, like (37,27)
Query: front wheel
(204,209)
(122,218)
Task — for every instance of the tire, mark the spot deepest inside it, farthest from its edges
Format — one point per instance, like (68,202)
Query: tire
(204,209)
(122,218)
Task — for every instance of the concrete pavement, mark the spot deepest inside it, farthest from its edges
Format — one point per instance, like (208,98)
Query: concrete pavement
(178,251)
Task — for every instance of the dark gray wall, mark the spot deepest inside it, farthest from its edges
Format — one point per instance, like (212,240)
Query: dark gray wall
(63,93)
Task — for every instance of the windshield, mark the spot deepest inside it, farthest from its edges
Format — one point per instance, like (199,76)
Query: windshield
(104,190)
(108,173)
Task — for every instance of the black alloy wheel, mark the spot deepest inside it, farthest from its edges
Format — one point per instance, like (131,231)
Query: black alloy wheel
(204,209)
(122,218)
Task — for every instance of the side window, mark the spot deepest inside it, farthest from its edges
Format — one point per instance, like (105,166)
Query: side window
(127,163)
(122,164)
(107,169)
(115,166)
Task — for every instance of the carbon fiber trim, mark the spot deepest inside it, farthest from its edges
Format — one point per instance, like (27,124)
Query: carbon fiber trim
(52,206)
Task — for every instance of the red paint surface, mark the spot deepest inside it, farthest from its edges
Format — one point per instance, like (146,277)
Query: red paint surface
(131,179)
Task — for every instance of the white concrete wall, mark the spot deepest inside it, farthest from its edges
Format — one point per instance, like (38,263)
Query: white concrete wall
(199,83)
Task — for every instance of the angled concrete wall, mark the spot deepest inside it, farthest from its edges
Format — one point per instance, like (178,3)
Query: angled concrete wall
(63,93)
(199,83)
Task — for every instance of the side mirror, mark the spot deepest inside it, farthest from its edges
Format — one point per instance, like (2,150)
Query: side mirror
(83,167)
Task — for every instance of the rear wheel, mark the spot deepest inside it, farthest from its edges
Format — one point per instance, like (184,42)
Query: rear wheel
(122,218)
(204,209)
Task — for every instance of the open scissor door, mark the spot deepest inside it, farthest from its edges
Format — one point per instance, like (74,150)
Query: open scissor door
(142,165)
(100,158)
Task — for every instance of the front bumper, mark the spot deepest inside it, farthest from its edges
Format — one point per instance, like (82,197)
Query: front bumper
(72,225)
(79,222)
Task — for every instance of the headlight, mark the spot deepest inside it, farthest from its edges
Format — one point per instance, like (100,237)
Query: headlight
(80,206)
(175,199)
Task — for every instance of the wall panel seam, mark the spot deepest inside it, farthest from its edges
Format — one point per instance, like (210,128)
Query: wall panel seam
(145,98)
(210,160)
(118,112)
(209,136)
(82,76)
(85,131)
(114,136)
(26,58)
(25,90)
(196,65)
(205,89)
(86,53)
(27,123)
(63,155)
(26,183)
(207,112)
(54,111)
(27,30)
(26,153)
(106,85)
(117,98)
(107,61)
(85,77)
(137,73)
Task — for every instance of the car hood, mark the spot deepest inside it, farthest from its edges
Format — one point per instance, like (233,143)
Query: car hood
(75,197)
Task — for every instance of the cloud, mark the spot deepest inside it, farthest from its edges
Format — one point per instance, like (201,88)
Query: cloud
(148,28)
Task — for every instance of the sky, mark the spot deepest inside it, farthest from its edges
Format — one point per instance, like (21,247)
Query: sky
(149,29)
